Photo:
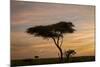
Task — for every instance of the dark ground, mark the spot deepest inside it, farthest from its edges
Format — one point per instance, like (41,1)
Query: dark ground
(26,62)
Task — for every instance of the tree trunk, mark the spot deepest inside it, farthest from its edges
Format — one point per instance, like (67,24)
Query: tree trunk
(59,48)
(68,57)
(61,53)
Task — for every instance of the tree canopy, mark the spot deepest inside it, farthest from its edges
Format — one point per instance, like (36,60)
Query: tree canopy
(53,30)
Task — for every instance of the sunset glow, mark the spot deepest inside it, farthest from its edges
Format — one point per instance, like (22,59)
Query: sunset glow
(28,14)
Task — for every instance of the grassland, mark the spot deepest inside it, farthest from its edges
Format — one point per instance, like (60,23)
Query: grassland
(26,62)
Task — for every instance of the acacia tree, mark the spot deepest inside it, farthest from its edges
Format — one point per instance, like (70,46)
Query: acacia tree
(53,31)
(69,53)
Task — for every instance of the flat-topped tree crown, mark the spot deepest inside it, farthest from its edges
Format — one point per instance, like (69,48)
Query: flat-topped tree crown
(53,30)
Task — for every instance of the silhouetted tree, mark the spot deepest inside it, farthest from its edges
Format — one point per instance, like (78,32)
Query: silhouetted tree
(69,53)
(54,31)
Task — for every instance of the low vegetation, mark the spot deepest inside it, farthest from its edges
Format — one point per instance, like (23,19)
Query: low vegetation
(25,62)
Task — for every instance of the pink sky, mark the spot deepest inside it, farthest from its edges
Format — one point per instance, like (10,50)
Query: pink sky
(28,14)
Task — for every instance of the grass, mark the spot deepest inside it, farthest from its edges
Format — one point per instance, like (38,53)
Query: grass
(25,62)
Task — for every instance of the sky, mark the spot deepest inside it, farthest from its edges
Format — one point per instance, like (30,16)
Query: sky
(30,14)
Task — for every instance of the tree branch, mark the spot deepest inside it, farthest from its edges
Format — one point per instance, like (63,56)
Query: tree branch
(58,40)
(61,41)
(54,40)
